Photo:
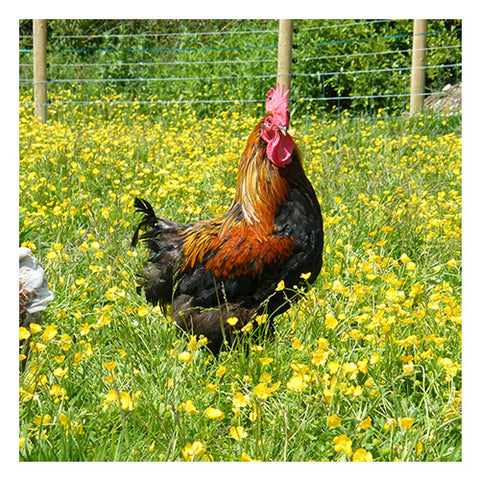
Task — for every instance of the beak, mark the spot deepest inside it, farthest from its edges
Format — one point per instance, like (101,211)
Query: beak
(283,129)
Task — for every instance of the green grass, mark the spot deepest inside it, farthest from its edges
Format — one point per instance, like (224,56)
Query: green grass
(378,336)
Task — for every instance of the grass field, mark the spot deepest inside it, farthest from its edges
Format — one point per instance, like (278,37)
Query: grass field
(366,366)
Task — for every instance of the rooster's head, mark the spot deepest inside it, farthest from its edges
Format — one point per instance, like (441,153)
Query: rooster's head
(280,144)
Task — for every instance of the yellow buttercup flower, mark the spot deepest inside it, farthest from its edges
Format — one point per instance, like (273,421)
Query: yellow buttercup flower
(110,365)
(185,357)
(214,414)
(232,321)
(343,444)
(265,360)
(188,407)
(334,421)
(192,343)
(42,419)
(330,321)
(390,424)
(60,372)
(361,455)
(365,423)
(121,399)
(23,333)
(262,391)
(238,433)
(193,451)
(298,382)
(406,422)
(49,333)
(240,400)
(247,328)
(245,457)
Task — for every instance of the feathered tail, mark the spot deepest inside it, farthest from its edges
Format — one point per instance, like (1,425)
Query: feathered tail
(149,220)
(162,237)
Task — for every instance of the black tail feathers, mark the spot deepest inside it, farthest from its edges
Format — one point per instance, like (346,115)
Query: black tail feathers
(149,219)
(143,206)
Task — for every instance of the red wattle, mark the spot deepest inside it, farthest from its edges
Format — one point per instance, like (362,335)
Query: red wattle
(280,149)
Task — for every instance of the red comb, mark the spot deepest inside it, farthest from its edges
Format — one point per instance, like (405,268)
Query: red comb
(277,102)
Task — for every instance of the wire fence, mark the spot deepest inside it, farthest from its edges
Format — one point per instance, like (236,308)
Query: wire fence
(358,66)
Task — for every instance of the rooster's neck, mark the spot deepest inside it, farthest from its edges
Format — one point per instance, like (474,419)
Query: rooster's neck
(261,186)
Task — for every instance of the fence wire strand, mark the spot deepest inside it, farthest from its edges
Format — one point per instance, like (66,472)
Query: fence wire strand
(324,66)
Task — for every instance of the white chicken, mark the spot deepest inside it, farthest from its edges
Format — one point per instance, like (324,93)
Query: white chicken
(33,288)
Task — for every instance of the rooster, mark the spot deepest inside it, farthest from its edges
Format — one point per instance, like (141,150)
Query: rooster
(34,293)
(221,274)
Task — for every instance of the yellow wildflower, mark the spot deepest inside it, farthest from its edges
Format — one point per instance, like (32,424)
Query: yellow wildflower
(122,399)
(245,457)
(298,382)
(214,414)
(65,342)
(238,433)
(333,421)
(60,372)
(211,388)
(375,358)
(452,264)
(23,333)
(408,368)
(240,400)
(193,451)
(192,343)
(265,360)
(330,321)
(110,365)
(406,422)
(361,455)
(58,393)
(247,328)
(261,391)
(365,423)
(185,357)
(188,407)
(343,444)
(261,319)
(42,419)
(49,333)
(390,424)
(419,447)
(297,344)
(232,321)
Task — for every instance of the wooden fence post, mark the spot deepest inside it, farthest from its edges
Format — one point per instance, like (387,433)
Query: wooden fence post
(419,61)
(284,67)
(40,69)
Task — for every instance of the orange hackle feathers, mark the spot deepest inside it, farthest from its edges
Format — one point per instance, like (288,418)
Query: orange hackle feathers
(243,243)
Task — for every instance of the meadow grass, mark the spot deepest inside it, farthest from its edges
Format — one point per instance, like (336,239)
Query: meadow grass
(366,366)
